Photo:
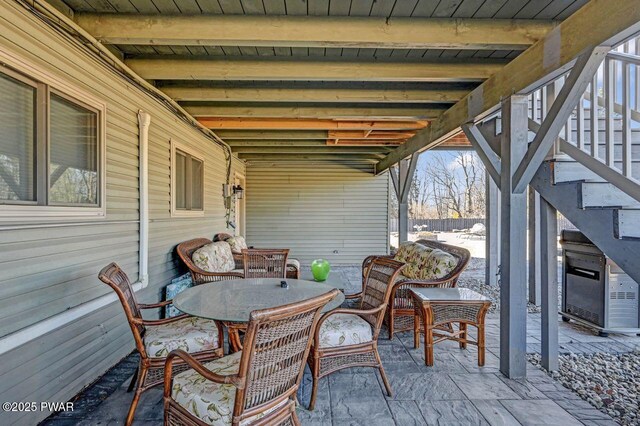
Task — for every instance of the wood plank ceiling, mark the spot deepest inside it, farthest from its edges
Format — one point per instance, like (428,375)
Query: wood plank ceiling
(315,79)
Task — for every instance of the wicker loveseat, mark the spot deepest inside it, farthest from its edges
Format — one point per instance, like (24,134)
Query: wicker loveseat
(238,243)
(428,264)
(186,250)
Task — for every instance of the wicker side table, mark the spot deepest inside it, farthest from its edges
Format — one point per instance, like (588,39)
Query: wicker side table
(436,308)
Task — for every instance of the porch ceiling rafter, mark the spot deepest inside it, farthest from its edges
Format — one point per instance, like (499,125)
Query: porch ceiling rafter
(542,62)
(315,31)
(310,150)
(314,70)
(267,124)
(379,95)
(312,157)
(317,111)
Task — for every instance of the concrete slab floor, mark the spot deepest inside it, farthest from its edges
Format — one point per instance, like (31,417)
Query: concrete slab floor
(455,391)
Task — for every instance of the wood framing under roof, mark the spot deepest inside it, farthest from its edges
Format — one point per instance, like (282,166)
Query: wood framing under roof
(292,74)
(315,31)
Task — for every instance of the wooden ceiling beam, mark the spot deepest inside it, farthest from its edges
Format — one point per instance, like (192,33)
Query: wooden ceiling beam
(310,149)
(544,61)
(321,112)
(275,142)
(365,142)
(199,68)
(314,31)
(369,134)
(263,124)
(277,158)
(231,135)
(222,94)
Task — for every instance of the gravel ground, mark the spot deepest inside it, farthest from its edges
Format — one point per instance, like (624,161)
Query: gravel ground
(473,277)
(609,382)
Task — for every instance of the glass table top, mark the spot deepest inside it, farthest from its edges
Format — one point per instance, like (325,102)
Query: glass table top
(336,279)
(449,294)
(234,300)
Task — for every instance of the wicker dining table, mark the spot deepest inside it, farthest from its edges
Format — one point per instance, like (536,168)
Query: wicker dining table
(231,302)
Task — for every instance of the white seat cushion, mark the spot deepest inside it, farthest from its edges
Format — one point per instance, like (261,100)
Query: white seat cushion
(344,330)
(189,334)
(209,401)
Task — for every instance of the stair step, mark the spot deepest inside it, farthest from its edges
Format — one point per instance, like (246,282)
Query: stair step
(604,194)
(627,223)
(572,171)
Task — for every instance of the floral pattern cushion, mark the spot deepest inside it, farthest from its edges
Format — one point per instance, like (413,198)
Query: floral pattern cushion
(415,257)
(189,334)
(214,257)
(344,330)
(209,401)
(439,264)
(237,244)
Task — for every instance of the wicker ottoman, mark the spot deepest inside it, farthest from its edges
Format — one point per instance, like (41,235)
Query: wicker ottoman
(437,308)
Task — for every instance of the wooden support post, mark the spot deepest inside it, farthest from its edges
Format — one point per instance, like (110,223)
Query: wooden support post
(402,179)
(534,246)
(513,251)
(549,265)
(492,241)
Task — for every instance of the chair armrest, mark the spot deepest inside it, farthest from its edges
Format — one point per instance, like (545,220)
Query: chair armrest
(232,379)
(154,305)
(353,296)
(163,321)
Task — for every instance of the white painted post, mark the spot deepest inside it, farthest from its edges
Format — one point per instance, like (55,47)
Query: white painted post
(549,261)
(492,241)
(534,246)
(513,251)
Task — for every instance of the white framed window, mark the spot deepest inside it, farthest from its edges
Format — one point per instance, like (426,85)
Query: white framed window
(187,181)
(52,158)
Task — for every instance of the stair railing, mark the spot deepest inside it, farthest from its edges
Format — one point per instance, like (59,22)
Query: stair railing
(600,132)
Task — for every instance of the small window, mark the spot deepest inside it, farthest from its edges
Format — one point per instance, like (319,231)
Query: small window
(50,153)
(187,181)
(73,153)
(17,141)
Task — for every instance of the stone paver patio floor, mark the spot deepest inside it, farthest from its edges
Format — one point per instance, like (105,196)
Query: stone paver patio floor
(455,391)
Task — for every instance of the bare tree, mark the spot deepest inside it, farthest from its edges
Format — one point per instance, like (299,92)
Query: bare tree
(444,187)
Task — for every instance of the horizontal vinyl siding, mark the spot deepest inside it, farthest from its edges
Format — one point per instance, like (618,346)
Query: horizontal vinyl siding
(334,211)
(47,270)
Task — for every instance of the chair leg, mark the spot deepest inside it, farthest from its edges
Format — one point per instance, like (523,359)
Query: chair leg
(133,380)
(463,335)
(387,386)
(481,348)
(294,419)
(416,332)
(142,375)
(391,322)
(315,367)
(314,393)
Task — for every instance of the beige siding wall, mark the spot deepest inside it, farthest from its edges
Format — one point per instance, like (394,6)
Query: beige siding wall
(319,210)
(46,270)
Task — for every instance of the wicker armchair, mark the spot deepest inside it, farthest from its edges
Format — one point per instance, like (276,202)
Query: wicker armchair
(265,263)
(153,337)
(293,266)
(185,252)
(254,387)
(400,313)
(349,337)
